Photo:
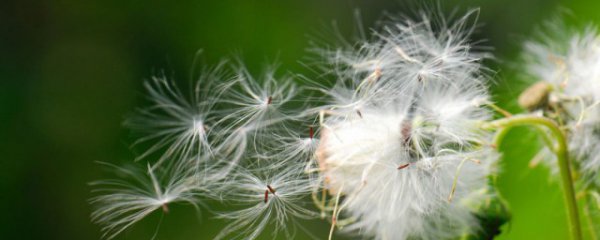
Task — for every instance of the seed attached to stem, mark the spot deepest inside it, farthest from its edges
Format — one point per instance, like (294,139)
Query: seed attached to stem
(359,113)
(266,196)
(271,189)
(403,166)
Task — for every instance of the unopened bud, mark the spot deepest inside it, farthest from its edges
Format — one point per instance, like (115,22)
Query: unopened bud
(535,96)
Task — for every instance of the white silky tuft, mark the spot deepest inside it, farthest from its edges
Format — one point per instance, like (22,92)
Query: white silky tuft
(401,141)
(123,202)
(398,141)
(270,198)
(214,143)
(570,62)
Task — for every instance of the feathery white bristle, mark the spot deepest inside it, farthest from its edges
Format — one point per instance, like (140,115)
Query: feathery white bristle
(402,126)
(397,141)
(570,62)
(275,198)
(178,126)
(123,202)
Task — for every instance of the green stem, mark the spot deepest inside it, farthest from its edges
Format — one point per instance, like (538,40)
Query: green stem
(588,217)
(562,154)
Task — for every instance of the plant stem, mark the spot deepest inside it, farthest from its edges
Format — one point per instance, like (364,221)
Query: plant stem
(588,217)
(562,154)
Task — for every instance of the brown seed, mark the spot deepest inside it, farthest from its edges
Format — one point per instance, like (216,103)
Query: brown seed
(535,96)
(403,166)
(271,189)
(266,196)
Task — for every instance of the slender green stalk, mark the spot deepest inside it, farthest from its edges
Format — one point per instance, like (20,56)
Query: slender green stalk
(588,217)
(562,154)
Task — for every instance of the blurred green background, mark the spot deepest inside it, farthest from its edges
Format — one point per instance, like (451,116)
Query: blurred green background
(70,71)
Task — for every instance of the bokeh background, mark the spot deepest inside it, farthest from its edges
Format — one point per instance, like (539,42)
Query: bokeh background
(70,71)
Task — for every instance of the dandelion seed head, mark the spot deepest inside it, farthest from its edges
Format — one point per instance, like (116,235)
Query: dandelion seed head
(202,138)
(403,125)
(124,202)
(175,125)
(258,101)
(407,53)
(569,61)
(398,141)
(273,198)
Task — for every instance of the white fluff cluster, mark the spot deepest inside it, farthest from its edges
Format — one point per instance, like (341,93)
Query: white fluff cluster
(400,139)
(268,198)
(570,64)
(137,194)
(231,139)
(400,150)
